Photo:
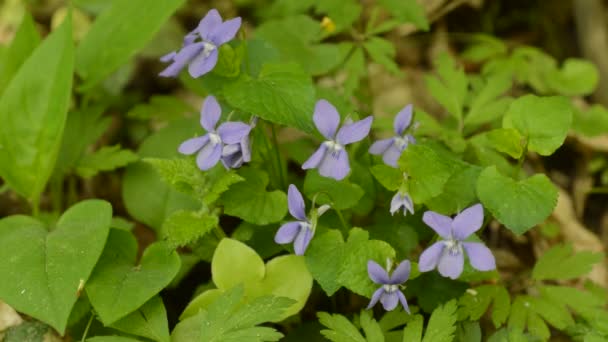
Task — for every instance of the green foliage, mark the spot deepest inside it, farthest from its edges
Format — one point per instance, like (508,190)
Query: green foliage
(118,287)
(107,158)
(33,111)
(183,227)
(58,262)
(226,319)
(519,205)
(334,263)
(281,93)
(25,41)
(250,201)
(113,38)
(475,302)
(389,177)
(407,11)
(450,88)
(546,129)
(339,194)
(382,52)
(442,324)
(591,122)
(558,263)
(148,321)
(340,329)
(487,105)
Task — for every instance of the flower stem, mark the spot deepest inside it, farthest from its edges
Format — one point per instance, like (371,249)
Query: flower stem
(341,217)
(219,232)
(86,330)
(275,142)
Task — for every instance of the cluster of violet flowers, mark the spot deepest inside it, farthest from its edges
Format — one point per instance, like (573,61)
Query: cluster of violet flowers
(229,143)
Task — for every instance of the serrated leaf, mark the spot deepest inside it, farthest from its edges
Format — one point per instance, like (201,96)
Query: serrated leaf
(340,328)
(225,319)
(544,121)
(487,106)
(282,93)
(335,263)
(107,158)
(356,68)
(118,287)
(408,11)
(183,227)
(555,314)
(519,205)
(450,88)
(382,52)
(574,298)
(390,177)
(339,194)
(25,41)
(148,321)
(57,263)
(413,330)
(250,201)
(370,327)
(33,111)
(442,324)
(559,263)
(113,38)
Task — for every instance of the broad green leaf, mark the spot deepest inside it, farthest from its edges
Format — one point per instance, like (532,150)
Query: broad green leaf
(505,140)
(570,265)
(413,330)
(297,38)
(487,105)
(250,201)
(458,192)
(432,290)
(339,194)
(118,287)
(149,321)
(235,263)
(229,60)
(428,171)
(160,107)
(382,52)
(340,329)
(107,158)
(591,122)
(342,13)
(390,177)
(147,198)
(33,111)
(519,205)
(576,77)
(450,88)
(468,332)
(409,11)
(334,263)
(282,93)
(58,263)
(114,39)
(226,319)
(370,327)
(183,227)
(543,121)
(25,41)
(442,324)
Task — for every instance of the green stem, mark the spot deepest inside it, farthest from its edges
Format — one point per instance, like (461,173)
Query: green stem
(56,187)
(520,162)
(342,220)
(275,141)
(219,232)
(86,330)
(35,207)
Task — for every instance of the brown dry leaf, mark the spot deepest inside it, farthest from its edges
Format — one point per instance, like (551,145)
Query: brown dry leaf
(581,238)
(8,317)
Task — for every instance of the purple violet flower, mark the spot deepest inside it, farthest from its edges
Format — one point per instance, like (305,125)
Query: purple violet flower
(299,232)
(389,294)
(210,145)
(391,148)
(448,254)
(402,200)
(234,155)
(201,56)
(331,158)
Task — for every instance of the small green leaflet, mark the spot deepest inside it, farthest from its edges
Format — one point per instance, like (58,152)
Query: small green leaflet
(441,326)
(475,302)
(505,140)
(33,111)
(413,330)
(390,177)
(58,263)
(148,321)
(590,122)
(487,105)
(544,121)
(409,11)
(183,227)
(282,93)
(226,319)
(113,38)
(339,194)
(484,47)
(559,263)
(25,41)
(107,158)
(519,205)
(118,287)
(250,201)
(340,329)
(382,52)
(450,88)
(577,77)
(335,263)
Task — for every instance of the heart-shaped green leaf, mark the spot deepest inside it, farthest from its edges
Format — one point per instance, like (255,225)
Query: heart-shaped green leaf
(235,263)
(518,205)
(148,321)
(117,287)
(42,273)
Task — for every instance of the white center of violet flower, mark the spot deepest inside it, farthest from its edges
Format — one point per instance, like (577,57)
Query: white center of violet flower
(400,142)
(333,146)
(454,247)
(208,47)
(390,288)
(214,138)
